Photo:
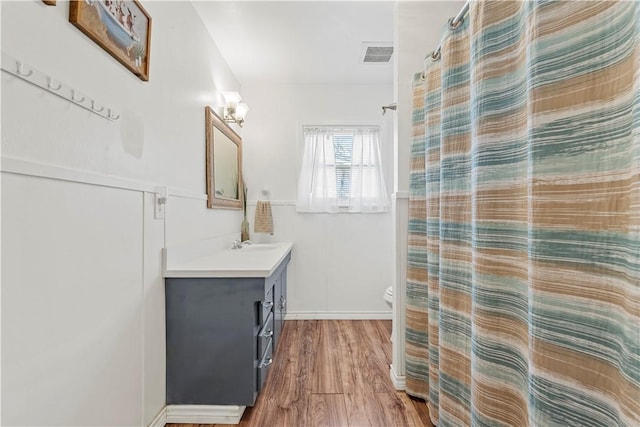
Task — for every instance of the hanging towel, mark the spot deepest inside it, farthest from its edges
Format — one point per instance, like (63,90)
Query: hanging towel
(264,219)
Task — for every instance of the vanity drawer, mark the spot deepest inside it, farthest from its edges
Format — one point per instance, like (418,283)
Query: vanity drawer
(266,306)
(265,335)
(265,362)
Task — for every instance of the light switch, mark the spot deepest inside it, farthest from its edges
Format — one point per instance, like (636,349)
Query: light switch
(160,201)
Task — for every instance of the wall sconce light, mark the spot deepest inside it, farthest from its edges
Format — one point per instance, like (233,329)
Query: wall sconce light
(234,110)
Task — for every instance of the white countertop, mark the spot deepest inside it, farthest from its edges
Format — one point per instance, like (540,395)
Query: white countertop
(256,260)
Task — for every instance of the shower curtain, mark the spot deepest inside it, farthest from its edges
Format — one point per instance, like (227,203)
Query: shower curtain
(523,281)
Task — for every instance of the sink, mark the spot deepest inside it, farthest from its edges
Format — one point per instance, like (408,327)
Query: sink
(256,260)
(257,247)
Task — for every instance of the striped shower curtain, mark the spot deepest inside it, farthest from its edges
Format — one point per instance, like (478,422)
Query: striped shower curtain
(523,293)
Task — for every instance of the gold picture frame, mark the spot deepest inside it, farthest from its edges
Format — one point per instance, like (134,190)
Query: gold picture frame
(121,27)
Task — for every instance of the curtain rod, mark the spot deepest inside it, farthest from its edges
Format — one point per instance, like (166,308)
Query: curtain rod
(453,23)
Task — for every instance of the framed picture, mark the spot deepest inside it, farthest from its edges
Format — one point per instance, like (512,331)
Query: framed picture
(121,27)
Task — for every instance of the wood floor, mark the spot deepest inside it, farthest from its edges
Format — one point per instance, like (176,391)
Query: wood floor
(333,373)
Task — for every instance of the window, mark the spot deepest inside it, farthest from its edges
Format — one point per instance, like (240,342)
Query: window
(343,149)
(341,170)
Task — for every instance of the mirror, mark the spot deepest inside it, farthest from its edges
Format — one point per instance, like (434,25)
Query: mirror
(224,163)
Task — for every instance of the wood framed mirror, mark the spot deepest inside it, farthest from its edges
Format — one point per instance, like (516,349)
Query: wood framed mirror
(223,163)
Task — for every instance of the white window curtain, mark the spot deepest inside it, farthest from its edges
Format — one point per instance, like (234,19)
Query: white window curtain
(341,171)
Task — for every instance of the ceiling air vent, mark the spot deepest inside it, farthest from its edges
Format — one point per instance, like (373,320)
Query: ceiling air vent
(376,53)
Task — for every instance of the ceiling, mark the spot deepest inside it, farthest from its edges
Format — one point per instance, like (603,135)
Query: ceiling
(300,42)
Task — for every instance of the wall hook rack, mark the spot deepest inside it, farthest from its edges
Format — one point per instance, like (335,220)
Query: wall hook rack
(29,74)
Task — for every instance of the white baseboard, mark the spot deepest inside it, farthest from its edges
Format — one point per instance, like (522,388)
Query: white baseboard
(399,381)
(204,414)
(161,419)
(338,315)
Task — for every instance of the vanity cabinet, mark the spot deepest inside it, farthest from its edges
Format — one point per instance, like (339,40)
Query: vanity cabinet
(221,336)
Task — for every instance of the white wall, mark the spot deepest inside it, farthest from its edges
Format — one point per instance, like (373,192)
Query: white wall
(417,27)
(341,263)
(83,295)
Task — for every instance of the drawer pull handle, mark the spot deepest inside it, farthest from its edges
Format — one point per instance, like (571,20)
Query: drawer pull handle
(266,362)
(267,334)
(267,305)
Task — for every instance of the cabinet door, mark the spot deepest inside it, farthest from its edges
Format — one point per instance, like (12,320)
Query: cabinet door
(211,340)
(283,284)
(280,307)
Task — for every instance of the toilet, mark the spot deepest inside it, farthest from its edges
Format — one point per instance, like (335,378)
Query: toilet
(388,296)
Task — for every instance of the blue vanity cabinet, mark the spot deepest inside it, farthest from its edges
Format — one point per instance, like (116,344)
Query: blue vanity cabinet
(221,336)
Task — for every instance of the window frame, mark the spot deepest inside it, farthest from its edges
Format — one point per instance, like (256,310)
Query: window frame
(343,203)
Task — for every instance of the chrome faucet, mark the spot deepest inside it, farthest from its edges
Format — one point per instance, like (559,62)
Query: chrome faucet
(238,244)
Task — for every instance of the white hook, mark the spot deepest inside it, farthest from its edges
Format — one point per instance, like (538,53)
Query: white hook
(51,86)
(112,117)
(19,64)
(93,107)
(73,96)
